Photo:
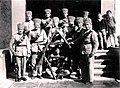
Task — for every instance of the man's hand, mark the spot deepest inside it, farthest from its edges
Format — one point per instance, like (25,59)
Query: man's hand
(71,43)
(28,55)
(15,53)
(91,55)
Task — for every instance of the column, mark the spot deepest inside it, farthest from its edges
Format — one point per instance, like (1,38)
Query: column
(18,13)
(117,16)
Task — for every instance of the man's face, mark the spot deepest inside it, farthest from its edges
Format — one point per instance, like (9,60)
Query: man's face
(56,22)
(28,17)
(99,15)
(20,30)
(65,15)
(37,25)
(47,14)
(87,26)
(85,15)
(80,25)
(71,23)
(109,14)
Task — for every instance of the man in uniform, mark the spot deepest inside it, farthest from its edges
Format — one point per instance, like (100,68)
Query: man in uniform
(69,36)
(86,16)
(47,22)
(64,20)
(28,24)
(88,45)
(38,39)
(20,47)
(71,27)
(76,47)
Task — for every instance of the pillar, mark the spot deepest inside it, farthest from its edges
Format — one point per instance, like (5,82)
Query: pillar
(11,13)
(18,13)
(117,16)
(107,5)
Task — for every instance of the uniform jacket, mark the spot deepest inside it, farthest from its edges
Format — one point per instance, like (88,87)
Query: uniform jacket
(57,35)
(22,48)
(37,38)
(29,25)
(47,24)
(89,43)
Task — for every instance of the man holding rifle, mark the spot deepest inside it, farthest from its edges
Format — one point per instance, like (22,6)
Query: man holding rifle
(38,39)
(20,47)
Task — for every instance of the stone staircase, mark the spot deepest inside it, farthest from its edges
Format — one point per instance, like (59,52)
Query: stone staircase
(106,64)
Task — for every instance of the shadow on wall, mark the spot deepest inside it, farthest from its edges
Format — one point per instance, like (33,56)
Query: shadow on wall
(111,69)
(9,63)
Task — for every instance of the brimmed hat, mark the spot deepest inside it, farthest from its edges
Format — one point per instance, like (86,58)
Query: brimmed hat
(71,18)
(79,20)
(65,10)
(47,10)
(20,26)
(86,12)
(88,20)
(55,19)
(37,20)
(28,12)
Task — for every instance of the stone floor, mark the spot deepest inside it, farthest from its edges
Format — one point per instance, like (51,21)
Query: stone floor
(51,83)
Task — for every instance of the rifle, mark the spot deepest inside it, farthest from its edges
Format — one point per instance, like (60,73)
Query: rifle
(64,39)
(15,68)
(16,72)
(44,57)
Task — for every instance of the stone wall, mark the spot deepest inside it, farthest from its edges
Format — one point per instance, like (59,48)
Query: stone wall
(5,23)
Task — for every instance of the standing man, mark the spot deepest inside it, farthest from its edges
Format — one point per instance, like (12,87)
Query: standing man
(101,24)
(64,20)
(71,27)
(38,39)
(28,24)
(88,45)
(47,21)
(76,47)
(111,28)
(20,47)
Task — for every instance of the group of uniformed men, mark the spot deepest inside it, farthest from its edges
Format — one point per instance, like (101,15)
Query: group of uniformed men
(70,35)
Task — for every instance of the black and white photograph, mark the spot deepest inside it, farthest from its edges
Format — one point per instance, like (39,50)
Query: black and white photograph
(59,44)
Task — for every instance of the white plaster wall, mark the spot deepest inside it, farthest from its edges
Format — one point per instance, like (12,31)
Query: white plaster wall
(117,16)
(107,5)
(18,13)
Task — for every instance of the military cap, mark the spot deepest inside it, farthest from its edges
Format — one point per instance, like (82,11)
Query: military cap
(71,18)
(87,21)
(37,20)
(79,19)
(28,12)
(65,10)
(20,26)
(86,12)
(55,19)
(47,10)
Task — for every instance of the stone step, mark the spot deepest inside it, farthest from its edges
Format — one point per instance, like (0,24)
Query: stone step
(101,60)
(106,67)
(98,78)
(101,72)
(102,51)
